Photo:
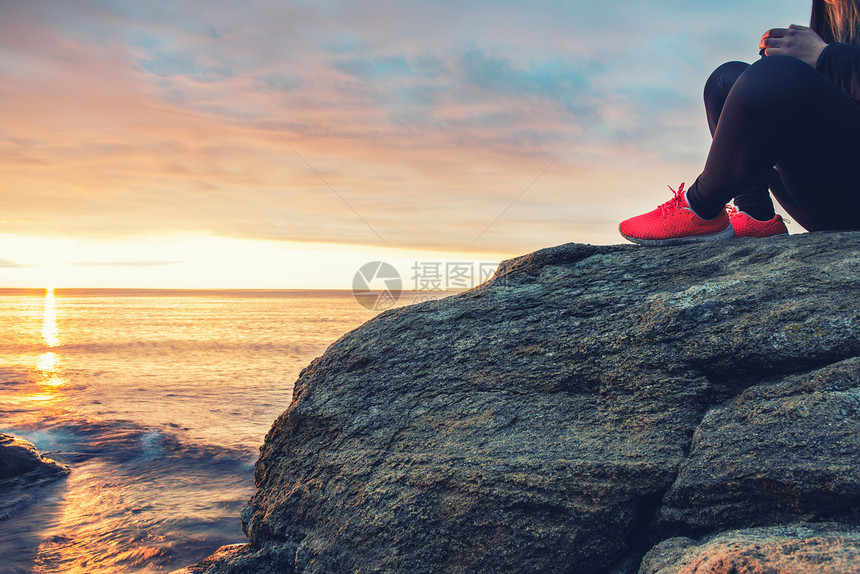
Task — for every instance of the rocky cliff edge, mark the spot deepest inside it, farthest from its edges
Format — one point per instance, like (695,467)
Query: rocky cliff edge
(591,409)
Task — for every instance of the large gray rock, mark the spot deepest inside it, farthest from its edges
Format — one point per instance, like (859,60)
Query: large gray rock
(582,406)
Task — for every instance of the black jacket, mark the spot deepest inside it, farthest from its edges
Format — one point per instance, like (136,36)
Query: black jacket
(841,63)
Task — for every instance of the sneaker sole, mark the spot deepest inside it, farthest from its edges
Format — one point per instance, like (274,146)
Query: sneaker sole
(762,236)
(727,233)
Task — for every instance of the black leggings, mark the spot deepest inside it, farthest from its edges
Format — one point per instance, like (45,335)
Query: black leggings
(781,112)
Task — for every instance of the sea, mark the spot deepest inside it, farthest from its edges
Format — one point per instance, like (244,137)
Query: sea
(159,402)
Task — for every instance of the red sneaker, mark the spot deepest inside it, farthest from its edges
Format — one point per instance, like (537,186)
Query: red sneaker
(746,226)
(674,222)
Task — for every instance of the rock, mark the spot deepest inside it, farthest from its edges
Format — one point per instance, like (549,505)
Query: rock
(795,549)
(775,453)
(583,405)
(23,467)
(240,559)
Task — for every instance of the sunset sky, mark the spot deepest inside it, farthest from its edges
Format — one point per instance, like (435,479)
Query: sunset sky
(282,144)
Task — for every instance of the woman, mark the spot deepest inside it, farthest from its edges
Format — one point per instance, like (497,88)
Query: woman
(797,108)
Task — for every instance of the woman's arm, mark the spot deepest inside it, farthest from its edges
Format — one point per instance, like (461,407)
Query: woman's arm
(839,62)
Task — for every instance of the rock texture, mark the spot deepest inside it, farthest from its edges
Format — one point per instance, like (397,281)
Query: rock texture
(796,549)
(584,405)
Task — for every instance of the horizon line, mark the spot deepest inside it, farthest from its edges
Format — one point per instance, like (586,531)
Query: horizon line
(42,291)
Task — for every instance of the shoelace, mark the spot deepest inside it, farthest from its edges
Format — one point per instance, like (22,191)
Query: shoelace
(676,202)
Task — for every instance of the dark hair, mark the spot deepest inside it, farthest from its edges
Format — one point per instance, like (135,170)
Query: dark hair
(836,20)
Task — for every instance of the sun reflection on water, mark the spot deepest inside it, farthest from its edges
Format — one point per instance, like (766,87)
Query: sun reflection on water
(48,363)
(50,333)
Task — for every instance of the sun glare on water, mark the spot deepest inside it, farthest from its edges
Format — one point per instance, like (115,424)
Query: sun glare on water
(50,334)
(48,363)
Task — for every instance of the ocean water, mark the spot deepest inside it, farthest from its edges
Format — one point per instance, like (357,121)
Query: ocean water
(159,402)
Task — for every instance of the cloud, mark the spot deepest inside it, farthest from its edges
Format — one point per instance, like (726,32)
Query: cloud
(127,118)
(124,263)
(9,264)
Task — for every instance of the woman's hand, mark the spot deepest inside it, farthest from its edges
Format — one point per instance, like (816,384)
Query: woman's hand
(797,41)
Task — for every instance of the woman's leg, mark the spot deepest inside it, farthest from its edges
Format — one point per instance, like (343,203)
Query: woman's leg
(755,199)
(717,89)
(783,112)
(784,199)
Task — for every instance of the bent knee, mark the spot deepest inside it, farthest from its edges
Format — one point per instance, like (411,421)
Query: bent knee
(775,71)
(772,79)
(723,78)
(728,70)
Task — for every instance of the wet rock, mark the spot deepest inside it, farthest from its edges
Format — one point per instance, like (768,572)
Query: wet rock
(21,464)
(584,405)
(23,467)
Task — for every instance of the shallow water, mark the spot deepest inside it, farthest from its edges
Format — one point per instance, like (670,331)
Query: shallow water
(158,402)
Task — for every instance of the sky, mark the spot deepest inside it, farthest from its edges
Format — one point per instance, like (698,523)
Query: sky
(283,144)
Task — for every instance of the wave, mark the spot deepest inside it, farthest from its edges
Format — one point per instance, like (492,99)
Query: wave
(139,499)
(72,439)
